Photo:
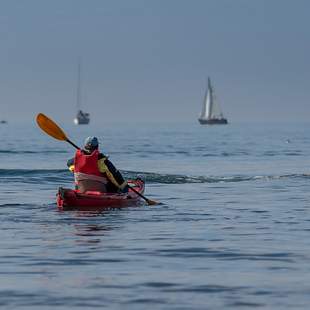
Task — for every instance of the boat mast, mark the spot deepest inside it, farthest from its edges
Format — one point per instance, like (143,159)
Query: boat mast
(78,93)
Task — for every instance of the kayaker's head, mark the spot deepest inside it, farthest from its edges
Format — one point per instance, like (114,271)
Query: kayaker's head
(91,144)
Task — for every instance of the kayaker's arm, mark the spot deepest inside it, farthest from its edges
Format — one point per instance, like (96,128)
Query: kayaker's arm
(105,166)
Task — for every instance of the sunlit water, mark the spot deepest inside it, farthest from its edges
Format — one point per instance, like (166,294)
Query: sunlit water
(232,230)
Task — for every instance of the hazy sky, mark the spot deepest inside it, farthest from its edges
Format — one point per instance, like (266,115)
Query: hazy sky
(149,59)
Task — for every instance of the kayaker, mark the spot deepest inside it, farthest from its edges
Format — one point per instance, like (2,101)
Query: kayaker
(93,171)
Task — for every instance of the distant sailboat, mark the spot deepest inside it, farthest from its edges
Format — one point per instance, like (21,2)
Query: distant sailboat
(211,113)
(82,118)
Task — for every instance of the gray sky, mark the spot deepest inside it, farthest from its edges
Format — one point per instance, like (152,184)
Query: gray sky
(149,59)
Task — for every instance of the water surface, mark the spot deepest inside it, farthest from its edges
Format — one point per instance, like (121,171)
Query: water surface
(232,230)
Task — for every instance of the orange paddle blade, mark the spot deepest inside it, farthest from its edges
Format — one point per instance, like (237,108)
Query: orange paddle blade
(50,127)
(152,202)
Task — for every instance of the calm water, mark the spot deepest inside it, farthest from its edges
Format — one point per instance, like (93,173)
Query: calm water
(232,230)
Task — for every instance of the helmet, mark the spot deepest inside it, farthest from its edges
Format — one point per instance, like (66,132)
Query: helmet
(91,143)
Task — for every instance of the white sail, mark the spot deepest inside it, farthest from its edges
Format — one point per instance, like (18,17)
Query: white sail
(211,110)
(209,102)
(205,106)
(216,109)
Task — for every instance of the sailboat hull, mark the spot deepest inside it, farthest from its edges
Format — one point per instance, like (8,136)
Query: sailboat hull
(213,121)
(78,121)
(81,118)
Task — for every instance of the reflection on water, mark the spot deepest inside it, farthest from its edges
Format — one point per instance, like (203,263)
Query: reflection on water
(90,234)
(91,230)
(89,227)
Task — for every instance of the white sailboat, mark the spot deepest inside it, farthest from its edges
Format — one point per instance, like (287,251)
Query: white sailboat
(82,118)
(211,113)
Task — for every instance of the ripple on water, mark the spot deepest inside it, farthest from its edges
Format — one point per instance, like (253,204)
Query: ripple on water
(226,255)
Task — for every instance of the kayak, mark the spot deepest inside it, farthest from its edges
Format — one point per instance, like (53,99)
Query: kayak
(92,200)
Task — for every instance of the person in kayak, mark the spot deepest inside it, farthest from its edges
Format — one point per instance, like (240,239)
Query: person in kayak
(94,172)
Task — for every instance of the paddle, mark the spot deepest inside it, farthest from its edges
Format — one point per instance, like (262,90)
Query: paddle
(53,130)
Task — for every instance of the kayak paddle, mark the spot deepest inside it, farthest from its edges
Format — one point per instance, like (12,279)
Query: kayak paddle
(53,130)
(149,201)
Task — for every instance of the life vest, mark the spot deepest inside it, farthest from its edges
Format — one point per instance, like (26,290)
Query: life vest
(86,167)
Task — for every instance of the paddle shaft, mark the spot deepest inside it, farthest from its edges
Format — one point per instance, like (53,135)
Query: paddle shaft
(72,144)
(139,194)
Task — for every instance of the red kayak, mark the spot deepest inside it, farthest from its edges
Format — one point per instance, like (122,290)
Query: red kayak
(73,199)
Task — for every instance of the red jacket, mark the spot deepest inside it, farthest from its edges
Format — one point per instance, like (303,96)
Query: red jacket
(87,164)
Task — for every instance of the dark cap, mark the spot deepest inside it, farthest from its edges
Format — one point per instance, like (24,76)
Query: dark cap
(91,143)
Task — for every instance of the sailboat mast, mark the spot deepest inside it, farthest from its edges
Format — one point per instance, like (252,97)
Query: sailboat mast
(78,92)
